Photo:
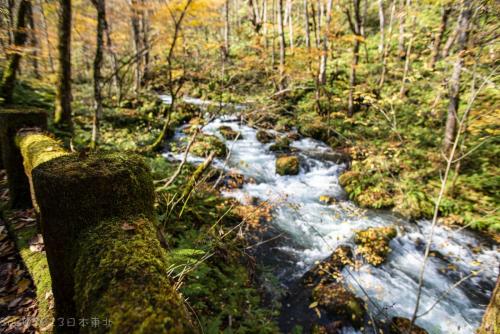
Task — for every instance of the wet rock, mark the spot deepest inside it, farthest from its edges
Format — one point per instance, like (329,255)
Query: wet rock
(401,325)
(204,144)
(329,268)
(335,327)
(287,165)
(293,135)
(265,136)
(325,199)
(233,181)
(335,157)
(230,134)
(336,299)
(373,243)
(282,145)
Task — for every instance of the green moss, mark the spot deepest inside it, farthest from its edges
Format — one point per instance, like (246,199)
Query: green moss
(287,165)
(204,144)
(264,136)
(11,121)
(121,275)
(282,144)
(228,133)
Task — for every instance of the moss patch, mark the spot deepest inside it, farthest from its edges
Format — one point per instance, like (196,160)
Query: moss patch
(287,165)
(373,243)
(204,144)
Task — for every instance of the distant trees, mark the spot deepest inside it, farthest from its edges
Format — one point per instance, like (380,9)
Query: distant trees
(63,114)
(15,53)
(354,19)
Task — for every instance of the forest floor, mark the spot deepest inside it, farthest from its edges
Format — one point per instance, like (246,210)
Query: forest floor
(18,300)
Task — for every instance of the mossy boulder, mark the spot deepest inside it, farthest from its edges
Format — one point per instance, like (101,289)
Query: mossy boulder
(105,260)
(228,133)
(330,268)
(373,243)
(402,325)
(194,123)
(11,121)
(335,298)
(264,136)
(287,165)
(315,128)
(282,145)
(204,144)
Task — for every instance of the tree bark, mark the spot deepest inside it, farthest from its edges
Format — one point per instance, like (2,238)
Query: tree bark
(387,47)
(227,45)
(491,318)
(33,42)
(137,43)
(62,116)
(445,13)
(324,52)
(306,25)
(20,37)
(98,60)
(381,18)
(281,33)
(355,25)
(454,83)
(46,35)
(290,23)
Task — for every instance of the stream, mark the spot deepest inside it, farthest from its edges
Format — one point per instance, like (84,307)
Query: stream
(304,231)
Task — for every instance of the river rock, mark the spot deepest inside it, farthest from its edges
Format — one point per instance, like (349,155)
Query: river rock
(335,157)
(401,325)
(265,136)
(336,299)
(204,144)
(287,165)
(330,268)
(325,199)
(373,243)
(230,134)
(282,145)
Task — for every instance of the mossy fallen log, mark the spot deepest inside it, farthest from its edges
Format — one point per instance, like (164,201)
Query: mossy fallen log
(108,269)
(11,121)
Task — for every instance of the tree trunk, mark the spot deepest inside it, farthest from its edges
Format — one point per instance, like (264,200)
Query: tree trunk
(20,36)
(355,21)
(306,25)
(324,52)
(114,62)
(445,13)
(290,23)
(101,25)
(381,18)
(145,45)
(402,27)
(62,116)
(33,42)
(454,83)
(226,30)
(46,35)
(281,33)
(403,91)
(136,38)
(387,47)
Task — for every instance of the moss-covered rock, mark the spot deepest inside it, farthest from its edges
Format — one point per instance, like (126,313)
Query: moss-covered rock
(264,136)
(330,268)
(105,261)
(230,134)
(11,121)
(325,199)
(373,243)
(335,298)
(315,128)
(204,144)
(282,145)
(287,165)
(401,325)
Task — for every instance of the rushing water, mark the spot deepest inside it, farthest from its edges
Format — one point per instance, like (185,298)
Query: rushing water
(308,231)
